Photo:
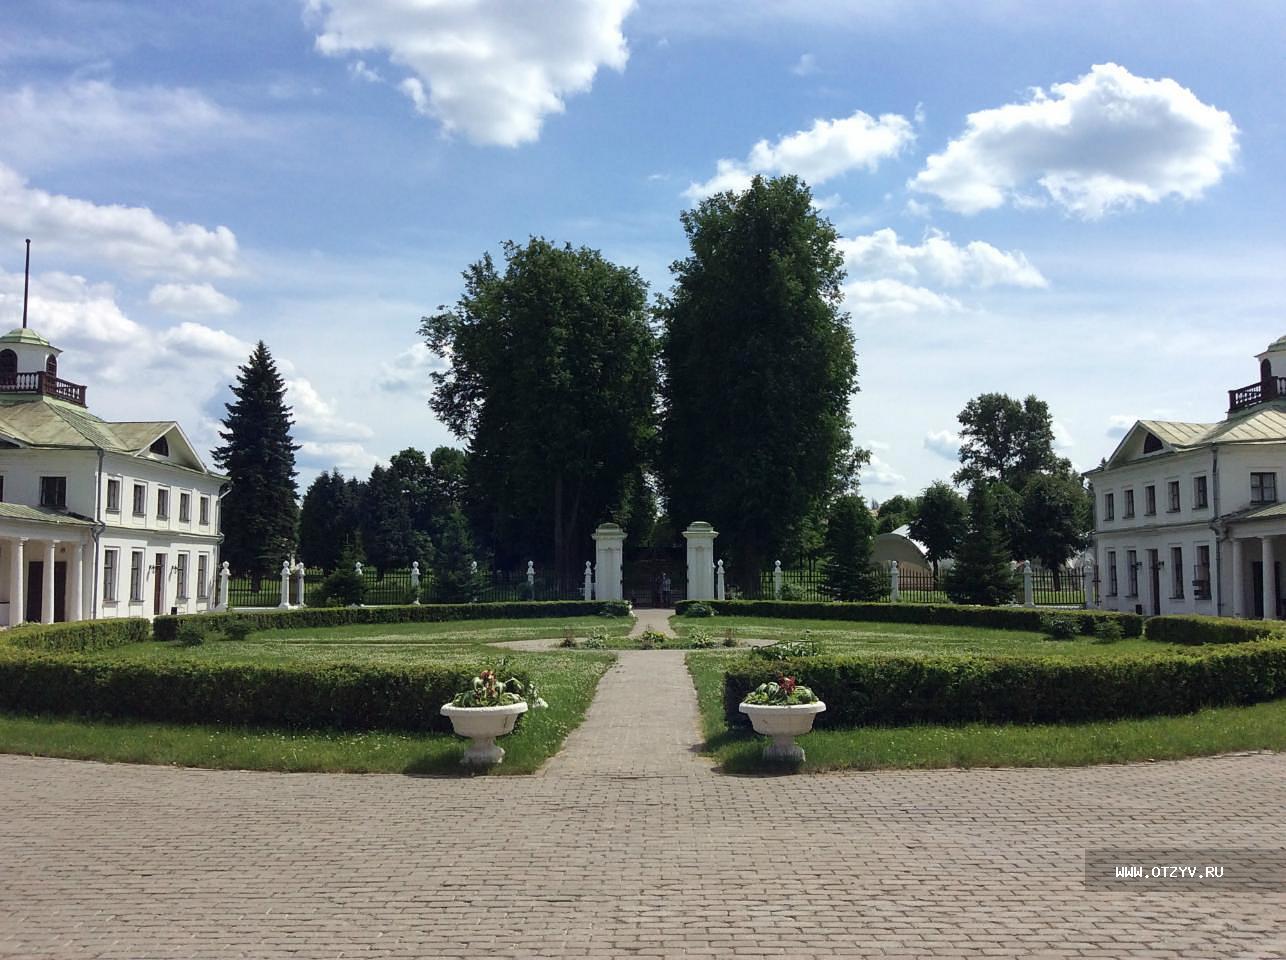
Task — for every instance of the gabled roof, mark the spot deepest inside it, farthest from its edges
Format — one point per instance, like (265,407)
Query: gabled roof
(1264,423)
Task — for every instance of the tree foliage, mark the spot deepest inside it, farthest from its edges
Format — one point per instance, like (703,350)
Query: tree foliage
(983,569)
(896,511)
(759,369)
(259,511)
(849,573)
(1002,438)
(941,522)
(328,521)
(1055,519)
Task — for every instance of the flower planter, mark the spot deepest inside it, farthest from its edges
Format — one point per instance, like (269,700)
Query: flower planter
(783,724)
(482,725)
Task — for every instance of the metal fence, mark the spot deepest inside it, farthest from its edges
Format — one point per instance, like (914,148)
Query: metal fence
(394,587)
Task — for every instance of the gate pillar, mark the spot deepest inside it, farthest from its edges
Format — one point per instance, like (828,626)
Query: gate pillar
(700,536)
(609,549)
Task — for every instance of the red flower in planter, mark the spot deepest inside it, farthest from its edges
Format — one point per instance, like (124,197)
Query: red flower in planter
(787,685)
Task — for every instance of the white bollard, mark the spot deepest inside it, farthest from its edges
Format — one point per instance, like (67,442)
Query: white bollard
(221,591)
(415,581)
(1087,582)
(719,593)
(285,586)
(894,586)
(776,580)
(589,581)
(1029,591)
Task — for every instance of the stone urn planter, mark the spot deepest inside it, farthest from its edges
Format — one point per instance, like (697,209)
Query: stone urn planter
(783,723)
(482,725)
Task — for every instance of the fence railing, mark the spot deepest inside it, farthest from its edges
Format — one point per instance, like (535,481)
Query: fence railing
(395,587)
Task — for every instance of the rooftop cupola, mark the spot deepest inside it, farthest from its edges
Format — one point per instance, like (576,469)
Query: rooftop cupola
(29,364)
(1272,379)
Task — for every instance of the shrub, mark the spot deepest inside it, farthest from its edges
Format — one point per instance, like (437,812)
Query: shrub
(805,646)
(872,691)
(649,639)
(617,608)
(236,628)
(1108,631)
(597,639)
(344,587)
(191,634)
(568,640)
(697,608)
(728,639)
(701,639)
(1202,630)
(791,592)
(81,636)
(1059,627)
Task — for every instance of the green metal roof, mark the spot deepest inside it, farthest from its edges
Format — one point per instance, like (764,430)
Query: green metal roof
(25,335)
(20,511)
(1268,512)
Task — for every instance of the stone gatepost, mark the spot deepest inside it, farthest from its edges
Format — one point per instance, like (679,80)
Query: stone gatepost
(609,556)
(700,536)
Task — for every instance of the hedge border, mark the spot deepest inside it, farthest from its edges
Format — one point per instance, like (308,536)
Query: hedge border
(894,691)
(1198,630)
(944,614)
(80,636)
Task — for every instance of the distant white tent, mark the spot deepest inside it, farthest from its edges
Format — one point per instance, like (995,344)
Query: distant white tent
(898,545)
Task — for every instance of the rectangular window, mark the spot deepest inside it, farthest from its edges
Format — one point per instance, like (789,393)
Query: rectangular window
(136,576)
(113,496)
(181,573)
(162,504)
(1111,573)
(205,511)
(185,507)
(109,575)
(1132,572)
(1,488)
(1176,573)
(140,499)
(1129,504)
(1201,580)
(1149,501)
(1109,506)
(202,577)
(53,492)
(1172,490)
(1263,488)
(1200,500)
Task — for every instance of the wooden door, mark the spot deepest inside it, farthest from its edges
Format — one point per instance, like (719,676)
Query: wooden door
(35,590)
(60,591)
(1154,572)
(158,588)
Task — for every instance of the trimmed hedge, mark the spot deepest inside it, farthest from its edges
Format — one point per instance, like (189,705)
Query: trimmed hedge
(888,691)
(81,636)
(166,628)
(334,696)
(945,614)
(1202,630)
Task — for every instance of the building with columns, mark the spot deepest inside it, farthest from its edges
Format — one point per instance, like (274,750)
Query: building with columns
(1188,516)
(97,519)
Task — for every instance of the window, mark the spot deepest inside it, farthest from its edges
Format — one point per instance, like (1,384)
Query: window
(136,576)
(1201,580)
(51,365)
(140,499)
(1200,500)
(1132,572)
(113,496)
(181,573)
(162,504)
(1149,501)
(202,577)
(1111,573)
(1152,443)
(1109,506)
(53,492)
(1263,488)
(160,446)
(1176,573)
(1,488)
(1129,504)
(185,507)
(205,511)
(109,575)
(1172,489)
(8,366)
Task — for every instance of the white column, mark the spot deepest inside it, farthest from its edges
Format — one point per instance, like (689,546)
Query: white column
(1270,577)
(588,589)
(609,552)
(1029,591)
(1087,581)
(719,592)
(700,537)
(1238,577)
(221,593)
(18,582)
(299,583)
(47,588)
(285,586)
(776,580)
(895,585)
(76,582)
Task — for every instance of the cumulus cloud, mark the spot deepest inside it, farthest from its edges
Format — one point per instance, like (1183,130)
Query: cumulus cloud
(878,472)
(347,457)
(65,307)
(410,369)
(191,299)
(191,339)
(825,150)
(937,261)
(887,298)
(317,418)
(944,443)
(1118,425)
(491,69)
(1107,141)
(134,239)
(806,65)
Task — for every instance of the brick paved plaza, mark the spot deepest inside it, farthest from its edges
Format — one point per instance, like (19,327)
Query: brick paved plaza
(627,844)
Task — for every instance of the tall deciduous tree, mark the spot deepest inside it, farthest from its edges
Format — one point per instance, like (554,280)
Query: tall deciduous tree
(1002,438)
(941,522)
(328,521)
(849,573)
(759,368)
(260,510)
(896,511)
(983,571)
(552,382)
(1055,519)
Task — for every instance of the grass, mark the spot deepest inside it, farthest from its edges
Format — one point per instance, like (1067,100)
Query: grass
(1221,730)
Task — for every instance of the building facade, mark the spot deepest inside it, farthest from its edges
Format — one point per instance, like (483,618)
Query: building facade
(1187,515)
(97,519)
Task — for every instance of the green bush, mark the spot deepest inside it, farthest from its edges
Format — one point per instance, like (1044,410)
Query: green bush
(1108,631)
(701,639)
(946,614)
(791,592)
(650,639)
(345,696)
(345,587)
(163,628)
(236,628)
(1058,626)
(695,608)
(81,636)
(190,634)
(886,691)
(1202,630)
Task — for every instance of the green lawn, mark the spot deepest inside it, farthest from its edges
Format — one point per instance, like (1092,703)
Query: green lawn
(1222,730)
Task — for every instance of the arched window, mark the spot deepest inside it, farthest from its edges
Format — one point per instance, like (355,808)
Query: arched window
(1151,443)
(8,366)
(161,447)
(1265,370)
(51,366)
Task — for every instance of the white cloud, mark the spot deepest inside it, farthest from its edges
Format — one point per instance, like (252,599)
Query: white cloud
(889,299)
(348,457)
(1062,437)
(65,307)
(937,261)
(879,473)
(409,370)
(316,418)
(360,71)
(825,150)
(1107,141)
(490,69)
(133,239)
(1119,424)
(191,300)
(944,443)
(805,66)
(190,340)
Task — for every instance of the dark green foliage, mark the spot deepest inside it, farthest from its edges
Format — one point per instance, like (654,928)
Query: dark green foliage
(849,573)
(895,691)
(696,608)
(1108,631)
(1003,618)
(388,519)
(982,572)
(82,636)
(613,609)
(791,592)
(259,512)
(941,523)
(1057,626)
(1005,439)
(235,628)
(328,520)
(1202,630)
(896,511)
(1055,520)
(343,587)
(552,381)
(455,575)
(190,634)
(759,370)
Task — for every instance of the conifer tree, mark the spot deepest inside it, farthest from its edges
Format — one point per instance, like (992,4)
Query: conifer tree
(260,510)
(983,571)
(328,521)
(455,579)
(849,573)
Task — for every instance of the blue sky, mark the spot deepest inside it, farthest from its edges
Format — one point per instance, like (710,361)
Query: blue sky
(1083,201)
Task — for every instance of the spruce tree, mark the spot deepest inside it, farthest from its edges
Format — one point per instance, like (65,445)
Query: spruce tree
(328,521)
(850,573)
(454,578)
(260,510)
(983,571)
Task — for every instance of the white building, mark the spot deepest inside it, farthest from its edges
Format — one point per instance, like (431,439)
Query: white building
(1187,515)
(97,519)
